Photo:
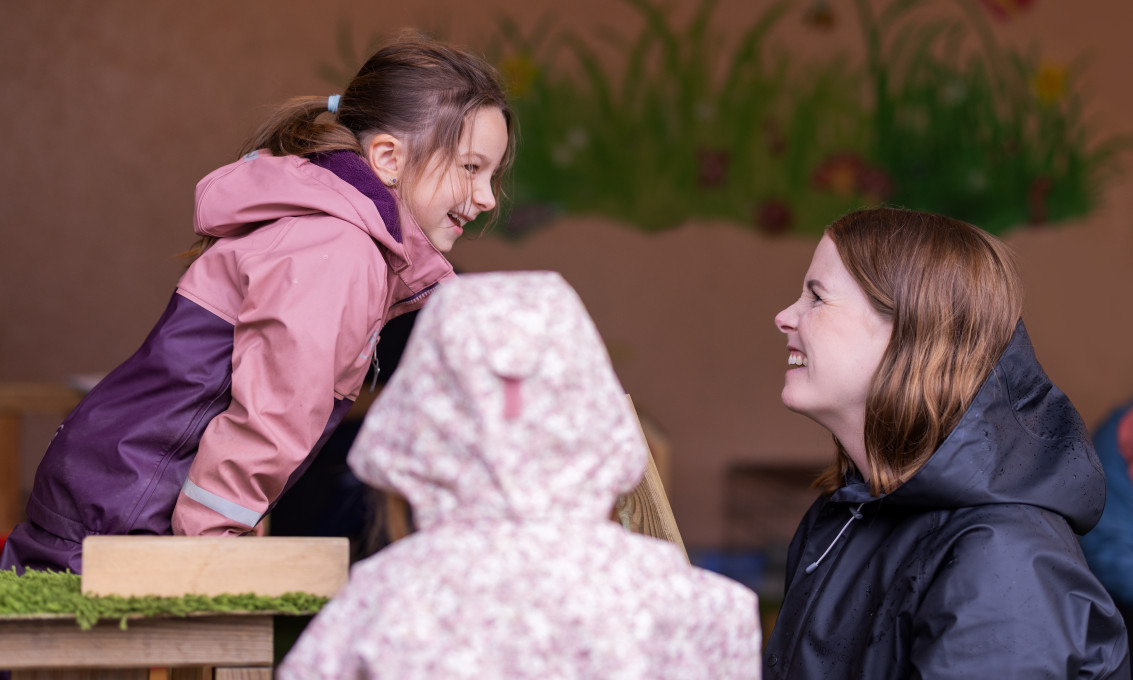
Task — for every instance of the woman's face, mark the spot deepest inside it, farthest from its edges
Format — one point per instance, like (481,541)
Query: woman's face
(835,341)
(449,195)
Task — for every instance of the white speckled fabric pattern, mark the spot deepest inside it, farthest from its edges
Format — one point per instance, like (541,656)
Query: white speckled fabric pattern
(507,430)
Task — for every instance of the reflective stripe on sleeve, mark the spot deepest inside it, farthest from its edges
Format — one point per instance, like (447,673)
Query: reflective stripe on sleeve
(234,512)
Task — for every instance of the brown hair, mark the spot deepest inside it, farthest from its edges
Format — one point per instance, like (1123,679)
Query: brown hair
(954,296)
(416,89)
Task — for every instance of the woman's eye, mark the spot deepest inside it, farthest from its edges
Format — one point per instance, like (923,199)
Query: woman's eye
(471,167)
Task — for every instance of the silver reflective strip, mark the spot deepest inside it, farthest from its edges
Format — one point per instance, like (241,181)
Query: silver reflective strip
(234,512)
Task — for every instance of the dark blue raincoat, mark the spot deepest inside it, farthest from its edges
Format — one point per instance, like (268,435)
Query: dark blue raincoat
(971,569)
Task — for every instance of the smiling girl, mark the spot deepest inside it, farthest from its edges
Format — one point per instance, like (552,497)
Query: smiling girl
(334,221)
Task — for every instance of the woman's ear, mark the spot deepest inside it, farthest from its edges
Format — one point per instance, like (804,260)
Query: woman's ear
(386,156)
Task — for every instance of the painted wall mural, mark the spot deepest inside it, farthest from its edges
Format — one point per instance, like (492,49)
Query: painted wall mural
(939,117)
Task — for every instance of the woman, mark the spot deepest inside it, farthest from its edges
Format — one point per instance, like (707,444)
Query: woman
(943,545)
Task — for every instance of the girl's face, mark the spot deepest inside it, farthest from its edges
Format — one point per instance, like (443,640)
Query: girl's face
(835,341)
(449,195)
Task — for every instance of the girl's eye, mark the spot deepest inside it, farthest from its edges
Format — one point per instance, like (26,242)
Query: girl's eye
(471,167)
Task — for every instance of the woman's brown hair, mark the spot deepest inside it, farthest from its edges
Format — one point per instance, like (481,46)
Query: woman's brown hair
(416,89)
(954,296)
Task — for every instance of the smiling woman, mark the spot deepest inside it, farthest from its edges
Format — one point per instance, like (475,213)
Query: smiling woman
(960,469)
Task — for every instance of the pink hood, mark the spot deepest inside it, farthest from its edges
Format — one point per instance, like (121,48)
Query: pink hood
(508,432)
(238,197)
(506,406)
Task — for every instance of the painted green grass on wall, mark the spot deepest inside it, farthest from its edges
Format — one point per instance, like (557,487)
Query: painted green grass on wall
(679,124)
(951,123)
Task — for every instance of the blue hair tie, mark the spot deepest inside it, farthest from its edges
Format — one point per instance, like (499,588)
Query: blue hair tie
(332,102)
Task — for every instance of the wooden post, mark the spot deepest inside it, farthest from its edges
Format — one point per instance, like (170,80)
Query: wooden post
(11,500)
(646,509)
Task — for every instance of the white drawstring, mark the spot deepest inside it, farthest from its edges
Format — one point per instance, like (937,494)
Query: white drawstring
(856,513)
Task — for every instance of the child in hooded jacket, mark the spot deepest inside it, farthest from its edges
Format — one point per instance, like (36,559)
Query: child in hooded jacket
(335,220)
(507,431)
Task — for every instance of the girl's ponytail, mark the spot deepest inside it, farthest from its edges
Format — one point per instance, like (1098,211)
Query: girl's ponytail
(301,126)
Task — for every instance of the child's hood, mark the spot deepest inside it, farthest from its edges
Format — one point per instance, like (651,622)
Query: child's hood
(504,406)
(260,188)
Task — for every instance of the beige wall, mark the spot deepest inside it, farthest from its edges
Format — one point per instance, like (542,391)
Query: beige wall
(112,109)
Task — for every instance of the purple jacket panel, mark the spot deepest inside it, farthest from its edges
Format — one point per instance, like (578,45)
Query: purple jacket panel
(117,463)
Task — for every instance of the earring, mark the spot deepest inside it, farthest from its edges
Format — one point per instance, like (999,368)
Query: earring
(392,182)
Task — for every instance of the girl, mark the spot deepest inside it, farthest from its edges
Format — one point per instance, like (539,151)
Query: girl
(511,438)
(334,221)
(943,546)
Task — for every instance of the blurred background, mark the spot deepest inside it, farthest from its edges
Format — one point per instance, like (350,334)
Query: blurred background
(678,161)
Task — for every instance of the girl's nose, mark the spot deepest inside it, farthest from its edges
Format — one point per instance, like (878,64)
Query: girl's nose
(483,196)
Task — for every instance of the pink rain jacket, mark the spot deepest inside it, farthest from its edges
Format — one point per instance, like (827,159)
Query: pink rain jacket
(255,360)
(507,431)
(307,295)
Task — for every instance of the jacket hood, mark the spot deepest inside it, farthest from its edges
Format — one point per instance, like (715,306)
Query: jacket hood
(1020,441)
(238,197)
(504,406)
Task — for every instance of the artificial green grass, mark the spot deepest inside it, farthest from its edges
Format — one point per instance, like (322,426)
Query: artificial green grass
(60,593)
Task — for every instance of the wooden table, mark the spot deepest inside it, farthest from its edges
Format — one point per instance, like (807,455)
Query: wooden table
(234,646)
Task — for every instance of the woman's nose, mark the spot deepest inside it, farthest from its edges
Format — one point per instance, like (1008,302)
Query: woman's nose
(785,320)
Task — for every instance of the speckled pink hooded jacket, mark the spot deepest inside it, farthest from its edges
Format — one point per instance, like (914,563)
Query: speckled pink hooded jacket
(506,429)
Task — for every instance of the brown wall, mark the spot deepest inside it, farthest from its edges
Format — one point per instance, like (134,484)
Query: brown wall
(112,109)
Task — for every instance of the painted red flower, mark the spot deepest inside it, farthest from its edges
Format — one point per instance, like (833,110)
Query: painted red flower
(1036,199)
(774,216)
(1006,9)
(712,167)
(847,174)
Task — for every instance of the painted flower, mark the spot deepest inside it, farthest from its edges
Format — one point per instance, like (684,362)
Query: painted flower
(519,72)
(1050,83)
(774,216)
(1036,199)
(712,167)
(819,15)
(847,174)
(838,173)
(1007,9)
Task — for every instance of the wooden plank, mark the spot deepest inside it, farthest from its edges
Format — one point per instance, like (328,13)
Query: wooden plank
(172,566)
(203,641)
(193,673)
(11,500)
(243,674)
(83,674)
(38,397)
(646,509)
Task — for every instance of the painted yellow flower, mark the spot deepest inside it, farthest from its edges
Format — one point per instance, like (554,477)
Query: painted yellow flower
(1050,83)
(518,71)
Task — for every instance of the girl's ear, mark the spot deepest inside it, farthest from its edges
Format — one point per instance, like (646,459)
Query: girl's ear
(386,156)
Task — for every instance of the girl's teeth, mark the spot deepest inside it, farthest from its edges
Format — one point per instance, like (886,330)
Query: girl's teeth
(796,359)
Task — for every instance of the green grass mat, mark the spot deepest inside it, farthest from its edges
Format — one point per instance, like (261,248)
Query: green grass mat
(60,593)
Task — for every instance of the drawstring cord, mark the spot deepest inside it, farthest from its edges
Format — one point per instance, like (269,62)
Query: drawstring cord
(856,513)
